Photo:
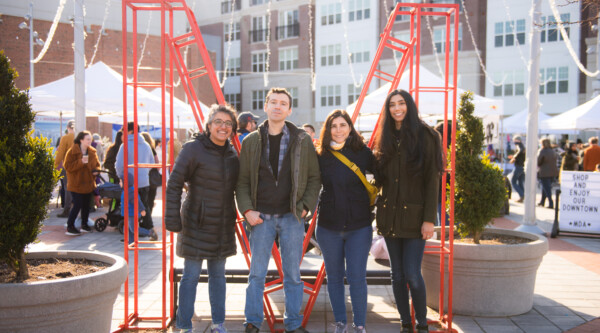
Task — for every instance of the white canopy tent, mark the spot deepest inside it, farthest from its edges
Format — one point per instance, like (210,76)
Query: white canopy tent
(517,123)
(583,117)
(181,110)
(103,98)
(429,103)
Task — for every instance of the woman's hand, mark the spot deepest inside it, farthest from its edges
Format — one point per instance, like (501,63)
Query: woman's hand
(427,230)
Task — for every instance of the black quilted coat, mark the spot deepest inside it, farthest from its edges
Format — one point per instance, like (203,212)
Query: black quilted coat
(206,221)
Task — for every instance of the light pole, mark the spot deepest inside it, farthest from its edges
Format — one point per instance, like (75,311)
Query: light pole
(33,36)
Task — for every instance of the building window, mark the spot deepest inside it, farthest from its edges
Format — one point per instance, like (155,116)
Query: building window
(289,26)
(550,32)
(233,66)
(359,51)
(288,59)
(353,93)
(563,79)
(258,32)
(258,99)
(294,93)
(235,33)
(404,9)
(256,2)
(512,83)
(226,6)
(331,95)
(439,39)
(259,62)
(505,33)
(234,100)
(449,2)
(359,10)
(551,83)
(331,55)
(331,14)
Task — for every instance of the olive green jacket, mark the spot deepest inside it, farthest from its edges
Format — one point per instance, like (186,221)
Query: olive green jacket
(306,177)
(407,198)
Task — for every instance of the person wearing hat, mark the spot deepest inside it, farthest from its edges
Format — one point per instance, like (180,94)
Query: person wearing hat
(518,178)
(66,142)
(247,123)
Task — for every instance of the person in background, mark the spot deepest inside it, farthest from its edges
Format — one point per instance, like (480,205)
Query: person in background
(247,123)
(66,142)
(278,185)
(142,232)
(518,177)
(145,156)
(80,163)
(591,156)
(580,149)
(547,171)
(439,127)
(570,158)
(99,145)
(152,189)
(206,223)
(158,149)
(310,129)
(409,161)
(111,157)
(344,230)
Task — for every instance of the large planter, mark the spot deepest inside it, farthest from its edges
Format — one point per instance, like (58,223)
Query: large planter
(76,304)
(489,280)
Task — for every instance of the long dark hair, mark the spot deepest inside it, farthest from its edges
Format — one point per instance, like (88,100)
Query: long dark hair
(411,133)
(354,141)
(118,140)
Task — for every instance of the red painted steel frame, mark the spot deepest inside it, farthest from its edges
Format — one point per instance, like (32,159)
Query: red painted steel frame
(411,53)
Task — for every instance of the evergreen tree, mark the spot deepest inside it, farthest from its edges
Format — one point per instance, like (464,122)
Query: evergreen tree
(27,173)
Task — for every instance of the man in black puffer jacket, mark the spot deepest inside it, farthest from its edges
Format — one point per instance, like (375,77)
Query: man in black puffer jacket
(206,224)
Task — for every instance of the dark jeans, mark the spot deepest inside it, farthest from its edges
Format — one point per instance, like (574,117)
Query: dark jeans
(518,180)
(146,220)
(406,255)
(151,196)
(68,197)
(547,190)
(80,202)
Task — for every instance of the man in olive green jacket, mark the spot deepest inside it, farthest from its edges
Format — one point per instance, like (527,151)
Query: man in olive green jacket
(278,185)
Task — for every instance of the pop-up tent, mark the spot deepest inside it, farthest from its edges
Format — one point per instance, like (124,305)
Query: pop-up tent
(517,123)
(429,103)
(583,117)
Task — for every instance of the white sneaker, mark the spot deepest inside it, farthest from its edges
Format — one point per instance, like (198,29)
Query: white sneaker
(359,329)
(218,328)
(340,327)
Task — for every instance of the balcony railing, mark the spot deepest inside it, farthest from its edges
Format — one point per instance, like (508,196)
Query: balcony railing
(257,35)
(288,31)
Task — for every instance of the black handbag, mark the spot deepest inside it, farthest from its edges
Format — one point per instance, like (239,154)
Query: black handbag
(155,178)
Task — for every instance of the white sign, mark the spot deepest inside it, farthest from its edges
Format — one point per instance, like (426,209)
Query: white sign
(579,209)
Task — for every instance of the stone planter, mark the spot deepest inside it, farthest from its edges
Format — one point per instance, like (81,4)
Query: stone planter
(489,280)
(76,304)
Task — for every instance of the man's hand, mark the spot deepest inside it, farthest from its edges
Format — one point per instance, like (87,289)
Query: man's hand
(427,230)
(304,212)
(143,213)
(253,217)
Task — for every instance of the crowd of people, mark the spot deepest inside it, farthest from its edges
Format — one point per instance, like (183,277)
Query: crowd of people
(281,174)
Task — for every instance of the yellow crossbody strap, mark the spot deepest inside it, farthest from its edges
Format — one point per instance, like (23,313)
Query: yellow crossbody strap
(352,167)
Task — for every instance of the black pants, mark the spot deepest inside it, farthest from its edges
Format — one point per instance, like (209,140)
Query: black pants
(151,196)
(81,201)
(146,220)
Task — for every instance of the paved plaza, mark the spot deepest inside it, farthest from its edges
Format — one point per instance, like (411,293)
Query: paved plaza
(567,291)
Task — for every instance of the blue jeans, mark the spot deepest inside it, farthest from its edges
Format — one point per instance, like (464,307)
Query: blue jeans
(187,291)
(547,190)
(353,246)
(518,180)
(406,255)
(142,232)
(262,237)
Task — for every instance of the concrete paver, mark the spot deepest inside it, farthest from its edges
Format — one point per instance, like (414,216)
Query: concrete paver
(567,291)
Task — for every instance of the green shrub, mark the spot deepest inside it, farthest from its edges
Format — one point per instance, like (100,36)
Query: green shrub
(26,171)
(479,185)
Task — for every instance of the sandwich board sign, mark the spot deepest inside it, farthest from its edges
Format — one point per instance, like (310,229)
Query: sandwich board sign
(579,203)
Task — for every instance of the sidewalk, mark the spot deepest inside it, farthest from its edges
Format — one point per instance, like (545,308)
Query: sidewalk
(567,292)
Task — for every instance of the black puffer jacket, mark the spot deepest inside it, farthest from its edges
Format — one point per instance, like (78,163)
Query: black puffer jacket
(206,224)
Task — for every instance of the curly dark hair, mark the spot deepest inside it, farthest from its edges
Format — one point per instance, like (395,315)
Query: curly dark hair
(355,140)
(227,109)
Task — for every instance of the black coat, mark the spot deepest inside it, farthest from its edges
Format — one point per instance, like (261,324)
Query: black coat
(344,198)
(206,224)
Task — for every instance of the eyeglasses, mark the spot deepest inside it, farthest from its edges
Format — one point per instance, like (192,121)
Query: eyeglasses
(219,123)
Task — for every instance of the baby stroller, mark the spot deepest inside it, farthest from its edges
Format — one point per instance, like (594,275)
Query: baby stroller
(113,217)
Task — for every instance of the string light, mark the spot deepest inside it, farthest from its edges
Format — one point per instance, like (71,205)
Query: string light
(437,59)
(227,54)
(106,11)
(567,41)
(347,43)
(145,38)
(57,16)
(313,81)
(268,43)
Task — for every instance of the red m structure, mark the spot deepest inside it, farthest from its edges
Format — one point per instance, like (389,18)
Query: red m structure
(172,62)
